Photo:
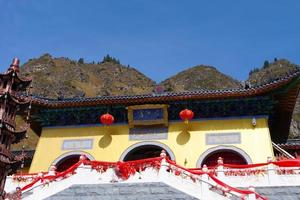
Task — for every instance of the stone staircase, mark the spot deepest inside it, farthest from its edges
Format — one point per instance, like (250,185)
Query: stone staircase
(280,193)
(121,191)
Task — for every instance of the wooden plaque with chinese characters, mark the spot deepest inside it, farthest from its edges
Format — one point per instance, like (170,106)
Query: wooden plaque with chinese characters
(148,114)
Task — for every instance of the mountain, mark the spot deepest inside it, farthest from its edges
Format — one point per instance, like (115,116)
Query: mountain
(65,78)
(199,77)
(271,71)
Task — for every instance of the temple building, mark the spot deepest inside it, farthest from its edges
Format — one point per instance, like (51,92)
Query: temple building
(194,128)
(205,144)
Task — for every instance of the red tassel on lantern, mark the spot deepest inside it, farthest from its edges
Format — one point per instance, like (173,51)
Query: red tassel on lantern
(107,119)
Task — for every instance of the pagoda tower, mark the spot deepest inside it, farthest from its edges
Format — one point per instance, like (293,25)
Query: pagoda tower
(13,100)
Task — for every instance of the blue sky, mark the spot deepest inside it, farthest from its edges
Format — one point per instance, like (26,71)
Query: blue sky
(158,37)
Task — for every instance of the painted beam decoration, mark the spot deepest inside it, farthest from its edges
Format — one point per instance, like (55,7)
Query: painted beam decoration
(148,114)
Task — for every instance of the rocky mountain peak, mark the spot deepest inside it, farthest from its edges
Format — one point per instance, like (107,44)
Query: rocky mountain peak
(199,77)
(271,70)
(66,78)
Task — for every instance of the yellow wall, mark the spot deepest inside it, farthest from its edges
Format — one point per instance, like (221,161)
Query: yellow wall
(110,142)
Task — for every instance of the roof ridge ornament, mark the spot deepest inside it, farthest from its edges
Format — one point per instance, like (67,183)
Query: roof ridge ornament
(15,65)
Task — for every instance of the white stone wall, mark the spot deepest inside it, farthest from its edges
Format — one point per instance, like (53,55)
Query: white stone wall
(198,186)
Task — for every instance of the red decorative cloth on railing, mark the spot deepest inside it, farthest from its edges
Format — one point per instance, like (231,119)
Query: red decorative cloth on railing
(245,172)
(240,191)
(29,174)
(244,166)
(63,174)
(195,172)
(99,165)
(255,169)
(217,181)
(123,169)
(288,163)
(126,169)
(30,184)
(281,163)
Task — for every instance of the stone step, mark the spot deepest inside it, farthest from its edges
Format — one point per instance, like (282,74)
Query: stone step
(121,191)
(280,193)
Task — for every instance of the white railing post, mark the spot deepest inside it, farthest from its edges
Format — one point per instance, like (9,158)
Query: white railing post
(163,168)
(163,165)
(52,170)
(252,196)
(204,183)
(220,169)
(80,170)
(82,157)
(271,172)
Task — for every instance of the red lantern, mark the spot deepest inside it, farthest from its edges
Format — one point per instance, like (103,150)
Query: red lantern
(186,115)
(107,119)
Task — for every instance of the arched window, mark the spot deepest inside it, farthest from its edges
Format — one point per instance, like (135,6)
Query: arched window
(145,150)
(230,155)
(67,160)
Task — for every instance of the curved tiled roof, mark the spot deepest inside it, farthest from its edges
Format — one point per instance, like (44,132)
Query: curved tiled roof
(169,96)
(24,80)
(14,97)
(291,144)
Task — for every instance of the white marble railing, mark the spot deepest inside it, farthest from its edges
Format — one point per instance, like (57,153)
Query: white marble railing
(219,183)
(197,186)
(266,176)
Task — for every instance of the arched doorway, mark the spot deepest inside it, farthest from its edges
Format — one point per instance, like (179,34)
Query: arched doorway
(229,157)
(145,150)
(66,160)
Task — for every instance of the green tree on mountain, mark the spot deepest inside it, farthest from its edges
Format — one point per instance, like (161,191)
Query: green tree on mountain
(266,64)
(81,61)
(110,59)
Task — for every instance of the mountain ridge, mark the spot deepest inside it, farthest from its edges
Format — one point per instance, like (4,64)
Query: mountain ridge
(62,71)
(69,78)
(73,79)
(199,77)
